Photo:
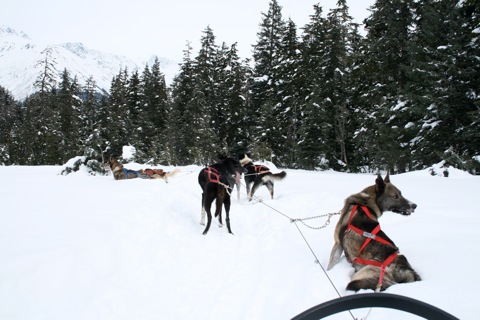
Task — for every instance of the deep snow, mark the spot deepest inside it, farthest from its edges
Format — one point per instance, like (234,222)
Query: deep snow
(89,247)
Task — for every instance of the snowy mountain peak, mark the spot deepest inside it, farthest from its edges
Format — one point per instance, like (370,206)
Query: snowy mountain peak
(77,48)
(19,54)
(7,31)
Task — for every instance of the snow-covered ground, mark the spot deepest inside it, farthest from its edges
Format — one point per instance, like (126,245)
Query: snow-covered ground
(89,247)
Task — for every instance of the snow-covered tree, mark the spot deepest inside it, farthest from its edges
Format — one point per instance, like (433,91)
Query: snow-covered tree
(267,54)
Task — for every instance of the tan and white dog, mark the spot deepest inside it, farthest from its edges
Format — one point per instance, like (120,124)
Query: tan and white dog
(121,173)
(376,259)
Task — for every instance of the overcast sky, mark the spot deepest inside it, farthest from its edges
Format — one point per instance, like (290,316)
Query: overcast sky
(142,28)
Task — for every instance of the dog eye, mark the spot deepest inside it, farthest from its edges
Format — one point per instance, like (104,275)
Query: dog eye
(395,197)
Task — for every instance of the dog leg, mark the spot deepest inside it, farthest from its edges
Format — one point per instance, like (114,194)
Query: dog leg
(202,219)
(221,195)
(402,271)
(335,255)
(209,221)
(218,211)
(202,214)
(238,190)
(208,205)
(247,183)
(227,213)
(269,185)
(368,278)
(256,184)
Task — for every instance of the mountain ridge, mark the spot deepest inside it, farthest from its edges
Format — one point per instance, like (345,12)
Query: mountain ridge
(19,55)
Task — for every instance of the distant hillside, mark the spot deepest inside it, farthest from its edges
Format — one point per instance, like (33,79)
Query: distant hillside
(19,54)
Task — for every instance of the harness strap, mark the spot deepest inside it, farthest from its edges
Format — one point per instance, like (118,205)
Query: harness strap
(382,265)
(369,237)
(212,174)
(151,172)
(376,263)
(259,169)
(354,210)
(214,177)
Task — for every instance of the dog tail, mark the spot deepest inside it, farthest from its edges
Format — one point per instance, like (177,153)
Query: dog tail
(275,176)
(172,173)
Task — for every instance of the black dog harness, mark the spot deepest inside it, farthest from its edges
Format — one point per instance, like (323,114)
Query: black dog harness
(369,237)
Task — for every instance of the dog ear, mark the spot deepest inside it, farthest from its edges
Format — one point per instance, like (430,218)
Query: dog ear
(380,185)
(387,178)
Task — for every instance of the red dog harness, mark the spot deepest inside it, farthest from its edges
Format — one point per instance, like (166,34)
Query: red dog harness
(151,172)
(369,237)
(259,169)
(213,175)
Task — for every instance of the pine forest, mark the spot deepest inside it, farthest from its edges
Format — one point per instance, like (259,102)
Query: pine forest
(401,95)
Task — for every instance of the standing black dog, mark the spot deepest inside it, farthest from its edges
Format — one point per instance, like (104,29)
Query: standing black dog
(258,175)
(376,259)
(217,182)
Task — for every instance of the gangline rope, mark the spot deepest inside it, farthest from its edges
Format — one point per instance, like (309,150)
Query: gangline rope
(294,221)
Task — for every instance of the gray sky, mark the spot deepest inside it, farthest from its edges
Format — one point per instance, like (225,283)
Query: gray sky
(144,27)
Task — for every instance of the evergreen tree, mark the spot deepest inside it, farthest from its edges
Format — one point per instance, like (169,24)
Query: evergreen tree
(135,116)
(465,101)
(91,128)
(234,102)
(43,115)
(8,121)
(210,104)
(104,126)
(267,54)
(154,104)
(69,103)
(426,83)
(315,125)
(119,118)
(209,121)
(386,118)
(442,84)
(24,132)
(471,12)
(181,116)
(47,79)
(286,109)
(339,86)
(220,113)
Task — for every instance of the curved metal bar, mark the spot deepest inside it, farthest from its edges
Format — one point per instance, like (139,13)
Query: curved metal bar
(382,300)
